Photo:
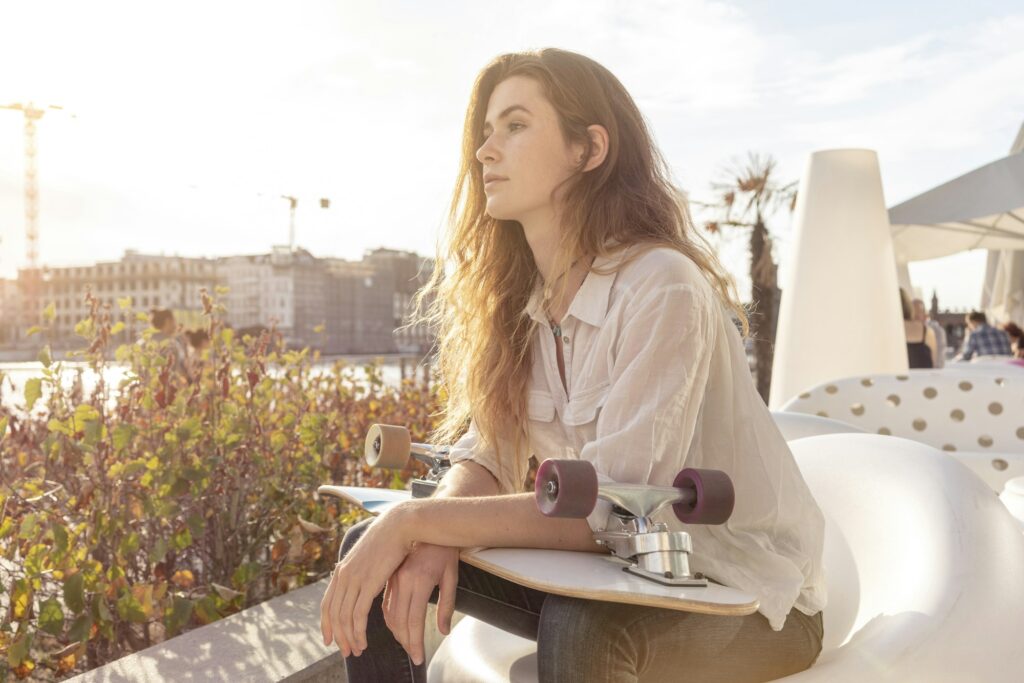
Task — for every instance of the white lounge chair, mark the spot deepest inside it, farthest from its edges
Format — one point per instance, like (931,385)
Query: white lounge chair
(923,566)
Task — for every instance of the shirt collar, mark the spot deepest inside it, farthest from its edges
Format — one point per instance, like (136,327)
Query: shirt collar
(590,305)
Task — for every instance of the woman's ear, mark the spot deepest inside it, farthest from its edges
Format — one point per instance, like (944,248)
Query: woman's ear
(599,146)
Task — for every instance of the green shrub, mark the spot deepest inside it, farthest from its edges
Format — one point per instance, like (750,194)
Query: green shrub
(185,495)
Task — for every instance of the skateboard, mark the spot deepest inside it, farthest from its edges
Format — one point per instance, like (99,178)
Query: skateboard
(647,564)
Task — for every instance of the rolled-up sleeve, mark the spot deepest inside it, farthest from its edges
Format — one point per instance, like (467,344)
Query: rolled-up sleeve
(509,470)
(659,374)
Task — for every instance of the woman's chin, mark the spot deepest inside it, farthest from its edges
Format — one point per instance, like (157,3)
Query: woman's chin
(499,213)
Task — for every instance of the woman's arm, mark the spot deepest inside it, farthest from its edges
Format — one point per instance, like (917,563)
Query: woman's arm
(493,521)
(467,479)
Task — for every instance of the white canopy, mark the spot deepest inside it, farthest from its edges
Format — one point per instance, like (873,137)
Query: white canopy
(982,209)
(1003,295)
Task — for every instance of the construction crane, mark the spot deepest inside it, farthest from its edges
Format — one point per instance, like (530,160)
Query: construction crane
(293,203)
(31,114)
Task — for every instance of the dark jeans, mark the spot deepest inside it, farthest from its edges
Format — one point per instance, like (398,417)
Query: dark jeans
(589,640)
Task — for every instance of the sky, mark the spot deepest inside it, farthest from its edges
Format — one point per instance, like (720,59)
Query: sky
(184,124)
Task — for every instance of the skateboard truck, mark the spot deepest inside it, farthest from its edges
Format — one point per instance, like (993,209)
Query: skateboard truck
(391,446)
(569,488)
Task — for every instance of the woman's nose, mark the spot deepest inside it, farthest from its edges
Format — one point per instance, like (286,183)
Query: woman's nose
(487,152)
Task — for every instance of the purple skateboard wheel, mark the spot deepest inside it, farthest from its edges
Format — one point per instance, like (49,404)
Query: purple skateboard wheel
(715,496)
(566,488)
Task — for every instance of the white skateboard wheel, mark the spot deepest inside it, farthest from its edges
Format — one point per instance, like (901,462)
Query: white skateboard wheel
(715,497)
(387,446)
(566,488)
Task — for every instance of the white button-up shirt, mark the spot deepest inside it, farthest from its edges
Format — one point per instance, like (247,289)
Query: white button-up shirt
(658,381)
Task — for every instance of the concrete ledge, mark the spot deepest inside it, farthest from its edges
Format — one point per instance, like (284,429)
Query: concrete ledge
(277,640)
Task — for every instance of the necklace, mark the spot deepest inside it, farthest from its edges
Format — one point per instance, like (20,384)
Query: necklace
(556,328)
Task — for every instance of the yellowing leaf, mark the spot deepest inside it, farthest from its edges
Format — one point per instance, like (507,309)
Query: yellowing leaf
(183,578)
(33,391)
(21,598)
(51,616)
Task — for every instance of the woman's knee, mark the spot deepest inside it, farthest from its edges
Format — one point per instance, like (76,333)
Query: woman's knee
(353,534)
(578,639)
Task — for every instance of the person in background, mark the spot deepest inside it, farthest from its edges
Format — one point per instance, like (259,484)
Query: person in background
(921,345)
(167,333)
(198,341)
(921,315)
(984,340)
(1016,336)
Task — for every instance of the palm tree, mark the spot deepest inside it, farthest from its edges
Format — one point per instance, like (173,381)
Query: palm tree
(746,196)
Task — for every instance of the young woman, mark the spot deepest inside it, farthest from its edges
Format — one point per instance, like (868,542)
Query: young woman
(580,316)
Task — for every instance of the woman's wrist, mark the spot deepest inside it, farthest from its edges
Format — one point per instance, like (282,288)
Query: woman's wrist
(402,521)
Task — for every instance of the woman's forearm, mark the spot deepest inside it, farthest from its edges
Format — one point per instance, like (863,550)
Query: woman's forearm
(493,521)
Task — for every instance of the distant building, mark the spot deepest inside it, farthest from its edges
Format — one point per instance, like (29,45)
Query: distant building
(409,273)
(171,282)
(330,304)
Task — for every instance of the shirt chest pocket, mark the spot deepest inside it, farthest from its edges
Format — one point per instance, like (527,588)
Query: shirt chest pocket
(540,406)
(584,406)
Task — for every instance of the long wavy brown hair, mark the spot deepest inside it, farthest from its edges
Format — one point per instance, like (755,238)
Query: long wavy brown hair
(485,272)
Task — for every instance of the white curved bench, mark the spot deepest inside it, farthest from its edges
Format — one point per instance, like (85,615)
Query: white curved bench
(975,414)
(923,566)
(948,409)
(801,425)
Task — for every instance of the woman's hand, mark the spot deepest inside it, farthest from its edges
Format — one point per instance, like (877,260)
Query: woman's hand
(360,578)
(408,592)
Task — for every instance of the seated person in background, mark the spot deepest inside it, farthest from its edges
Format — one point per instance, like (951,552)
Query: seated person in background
(921,315)
(984,340)
(1016,336)
(921,346)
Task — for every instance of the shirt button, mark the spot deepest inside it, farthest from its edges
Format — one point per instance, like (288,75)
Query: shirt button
(565,339)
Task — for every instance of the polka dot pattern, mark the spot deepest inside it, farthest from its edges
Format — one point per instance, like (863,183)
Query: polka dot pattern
(948,409)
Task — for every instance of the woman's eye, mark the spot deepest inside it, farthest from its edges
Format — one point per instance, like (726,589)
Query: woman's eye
(513,126)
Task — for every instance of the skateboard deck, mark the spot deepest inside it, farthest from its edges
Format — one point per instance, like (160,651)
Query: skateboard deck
(589,576)
(374,501)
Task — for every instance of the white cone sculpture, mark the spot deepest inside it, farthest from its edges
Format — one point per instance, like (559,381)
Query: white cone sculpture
(840,314)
